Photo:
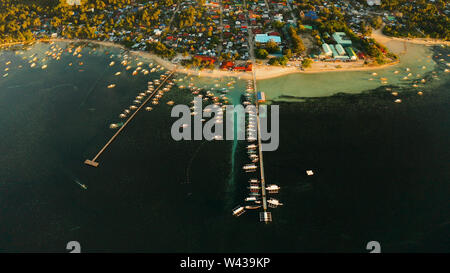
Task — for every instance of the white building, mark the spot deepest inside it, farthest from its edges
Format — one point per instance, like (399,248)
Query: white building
(73,2)
(373,2)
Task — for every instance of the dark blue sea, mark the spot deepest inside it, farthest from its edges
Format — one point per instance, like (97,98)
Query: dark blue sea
(381,168)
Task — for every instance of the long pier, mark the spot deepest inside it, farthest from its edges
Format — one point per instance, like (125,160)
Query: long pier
(265,215)
(93,162)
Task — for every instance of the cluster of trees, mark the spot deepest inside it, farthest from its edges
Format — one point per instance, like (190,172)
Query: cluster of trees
(188,17)
(160,49)
(18,20)
(306,63)
(270,47)
(366,29)
(93,19)
(297,43)
(376,51)
(261,53)
(279,60)
(197,63)
(418,18)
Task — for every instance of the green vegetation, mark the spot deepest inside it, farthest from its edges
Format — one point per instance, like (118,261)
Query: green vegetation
(198,63)
(297,43)
(418,18)
(278,61)
(272,46)
(26,20)
(306,63)
(261,53)
(161,50)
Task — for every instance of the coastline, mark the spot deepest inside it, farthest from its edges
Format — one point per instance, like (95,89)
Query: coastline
(262,72)
(381,38)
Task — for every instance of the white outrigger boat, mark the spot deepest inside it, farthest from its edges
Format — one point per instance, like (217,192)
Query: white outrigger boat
(238,211)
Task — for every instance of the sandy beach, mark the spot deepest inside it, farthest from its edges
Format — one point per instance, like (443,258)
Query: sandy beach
(263,71)
(383,39)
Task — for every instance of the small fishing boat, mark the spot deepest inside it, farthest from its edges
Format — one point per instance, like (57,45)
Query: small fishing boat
(170,102)
(117,73)
(111,63)
(111,85)
(274,202)
(398,101)
(148,109)
(253,207)
(238,211)
(5,75)
(134,73)
(44,66)
(33,65)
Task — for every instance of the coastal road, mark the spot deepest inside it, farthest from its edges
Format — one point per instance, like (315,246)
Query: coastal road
(292,10)
(220,47)
(179,2)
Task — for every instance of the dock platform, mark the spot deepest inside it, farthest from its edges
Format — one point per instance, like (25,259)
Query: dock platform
(93,162)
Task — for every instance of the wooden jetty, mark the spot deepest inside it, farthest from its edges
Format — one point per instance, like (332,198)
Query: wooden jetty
(93,162)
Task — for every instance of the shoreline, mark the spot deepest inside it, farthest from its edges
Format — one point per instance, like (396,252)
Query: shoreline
(262,72)
(382,38)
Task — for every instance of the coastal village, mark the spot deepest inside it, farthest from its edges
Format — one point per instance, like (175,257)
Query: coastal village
(229,34)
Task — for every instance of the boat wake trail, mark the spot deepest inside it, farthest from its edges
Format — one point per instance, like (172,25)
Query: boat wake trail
(190,163)
(93,88)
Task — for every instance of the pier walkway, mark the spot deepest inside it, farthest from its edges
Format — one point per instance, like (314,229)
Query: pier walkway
(264,215)
(93,162)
